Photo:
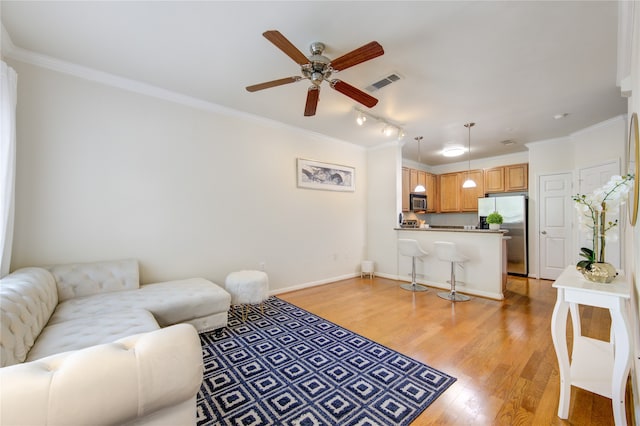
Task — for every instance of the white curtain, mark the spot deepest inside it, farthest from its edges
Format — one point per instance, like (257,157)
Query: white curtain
(8,99)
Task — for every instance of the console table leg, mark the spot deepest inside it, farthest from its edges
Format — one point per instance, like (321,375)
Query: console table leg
(559,336)
(621,363)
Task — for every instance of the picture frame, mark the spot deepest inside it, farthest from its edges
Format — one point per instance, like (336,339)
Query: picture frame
(313,174)
(633,166)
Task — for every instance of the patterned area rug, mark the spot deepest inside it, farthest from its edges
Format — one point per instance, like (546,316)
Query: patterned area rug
(290,367)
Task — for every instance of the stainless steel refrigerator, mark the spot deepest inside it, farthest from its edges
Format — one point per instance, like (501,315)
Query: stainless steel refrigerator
(513,209)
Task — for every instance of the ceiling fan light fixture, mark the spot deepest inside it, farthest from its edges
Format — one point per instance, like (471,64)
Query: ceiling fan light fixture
(318,68)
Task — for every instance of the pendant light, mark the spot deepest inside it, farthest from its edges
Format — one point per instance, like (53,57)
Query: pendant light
(419,187)
(469,183)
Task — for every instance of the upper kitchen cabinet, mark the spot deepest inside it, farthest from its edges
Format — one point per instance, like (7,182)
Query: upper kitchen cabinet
(469,196)
(516,177)
(454,198)
(511,178)
(494,179)
(432,193)
(450,186)
(417,177)
(410,179)
(406,188)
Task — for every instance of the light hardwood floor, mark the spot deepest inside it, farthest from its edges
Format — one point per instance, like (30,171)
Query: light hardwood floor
(500,351)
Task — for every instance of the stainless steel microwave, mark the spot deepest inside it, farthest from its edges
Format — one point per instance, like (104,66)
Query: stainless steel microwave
(418,202)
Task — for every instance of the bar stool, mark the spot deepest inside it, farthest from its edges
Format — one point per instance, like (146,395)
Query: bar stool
(448,252)
(412,249)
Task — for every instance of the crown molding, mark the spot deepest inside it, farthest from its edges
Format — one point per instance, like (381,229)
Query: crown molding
(602,124)
(19,54)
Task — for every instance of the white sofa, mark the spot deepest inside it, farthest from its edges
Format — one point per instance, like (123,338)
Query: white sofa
(85,344)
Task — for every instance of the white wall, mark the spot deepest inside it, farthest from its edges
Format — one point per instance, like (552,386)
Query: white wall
(383,207)
(104,173)
(597,144)
(632,234)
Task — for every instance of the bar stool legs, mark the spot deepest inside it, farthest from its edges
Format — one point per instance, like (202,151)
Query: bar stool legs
(447,251)
(452,295)
(411,248)
(413,286)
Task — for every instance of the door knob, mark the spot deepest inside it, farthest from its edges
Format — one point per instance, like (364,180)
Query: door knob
(544,232)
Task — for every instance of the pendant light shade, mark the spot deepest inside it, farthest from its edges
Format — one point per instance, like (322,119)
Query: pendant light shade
(419,187)
(469,183)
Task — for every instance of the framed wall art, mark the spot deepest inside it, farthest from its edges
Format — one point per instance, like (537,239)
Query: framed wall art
(330,177)
(633,160)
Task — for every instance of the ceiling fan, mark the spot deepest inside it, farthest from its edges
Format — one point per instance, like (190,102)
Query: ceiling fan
(318,68)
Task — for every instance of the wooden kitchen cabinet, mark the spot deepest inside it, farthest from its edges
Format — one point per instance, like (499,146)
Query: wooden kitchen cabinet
(516,177)
(410,179)
(511,178)
(494,179)
(432,193)
(446,195)
(469,196)
(417,177)
(454,198)
(406,183)
(450,186)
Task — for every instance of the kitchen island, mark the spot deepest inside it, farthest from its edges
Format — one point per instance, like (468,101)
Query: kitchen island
(485,274)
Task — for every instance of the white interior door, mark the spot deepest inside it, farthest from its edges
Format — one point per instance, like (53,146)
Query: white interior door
(554,224)
(589,179)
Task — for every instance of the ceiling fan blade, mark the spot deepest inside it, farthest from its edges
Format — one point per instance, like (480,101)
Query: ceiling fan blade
(355,57)
(354,93)
(313,95)
(273,83)
(286,46)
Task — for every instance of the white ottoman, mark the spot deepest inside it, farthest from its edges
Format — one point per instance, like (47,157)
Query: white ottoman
(247,288)
(366,268)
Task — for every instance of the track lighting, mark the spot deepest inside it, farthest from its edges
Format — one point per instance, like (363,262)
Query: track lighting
(388,129)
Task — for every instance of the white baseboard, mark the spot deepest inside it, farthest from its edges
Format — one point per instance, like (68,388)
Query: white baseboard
(312,284)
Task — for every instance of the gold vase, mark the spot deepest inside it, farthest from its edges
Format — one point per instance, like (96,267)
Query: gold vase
(600,272)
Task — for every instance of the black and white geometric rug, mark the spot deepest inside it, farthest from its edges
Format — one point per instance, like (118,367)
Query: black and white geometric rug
(290,367)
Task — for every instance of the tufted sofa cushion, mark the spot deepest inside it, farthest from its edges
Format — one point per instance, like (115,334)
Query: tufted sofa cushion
(170,302)
(27,299)
(95,330)
(84,279)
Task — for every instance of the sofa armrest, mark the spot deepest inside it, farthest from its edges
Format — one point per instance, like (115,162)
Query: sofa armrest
(108,384)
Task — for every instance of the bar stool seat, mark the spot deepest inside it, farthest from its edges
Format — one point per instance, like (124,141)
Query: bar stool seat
(411,248)
(448,252)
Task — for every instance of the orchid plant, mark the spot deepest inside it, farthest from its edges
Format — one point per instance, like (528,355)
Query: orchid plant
(593,209)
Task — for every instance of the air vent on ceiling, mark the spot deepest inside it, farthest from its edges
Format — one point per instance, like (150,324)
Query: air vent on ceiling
(391,78)
(508,142)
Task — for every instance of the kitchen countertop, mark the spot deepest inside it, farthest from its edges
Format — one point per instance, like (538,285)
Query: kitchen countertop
(454,229)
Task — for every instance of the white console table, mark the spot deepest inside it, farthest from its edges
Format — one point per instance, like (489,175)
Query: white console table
(597,366)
